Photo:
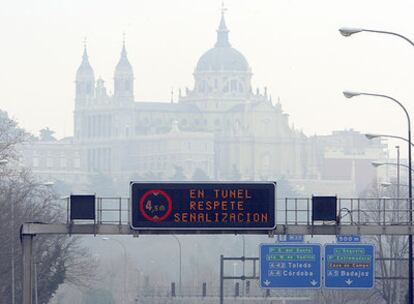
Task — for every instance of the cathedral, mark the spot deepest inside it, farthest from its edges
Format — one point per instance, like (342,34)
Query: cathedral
(221,126)
(221,129)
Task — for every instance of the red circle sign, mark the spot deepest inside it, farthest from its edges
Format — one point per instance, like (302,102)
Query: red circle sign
(147,208)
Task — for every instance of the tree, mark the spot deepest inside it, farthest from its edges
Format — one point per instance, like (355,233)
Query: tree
(47,135)
(23,199)
(10,136)
(394,247)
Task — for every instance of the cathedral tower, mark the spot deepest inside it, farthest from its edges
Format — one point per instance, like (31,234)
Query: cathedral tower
(85,81)
(124,79)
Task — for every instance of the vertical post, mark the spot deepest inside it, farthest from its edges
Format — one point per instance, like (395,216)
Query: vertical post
(120,211)
(398,205)
(180,282)
(27,247)
(286,211)
(398,171)
(237,289)
(173,289)
(35,282)
(296,211)
(410,237)
(204,292)
(221,279)
(244,265)
(12,253)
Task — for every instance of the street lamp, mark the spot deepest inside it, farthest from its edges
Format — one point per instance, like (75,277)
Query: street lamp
(377,164)
(180,271)
(125,264)
(348,31)
(373,136)
(350,94)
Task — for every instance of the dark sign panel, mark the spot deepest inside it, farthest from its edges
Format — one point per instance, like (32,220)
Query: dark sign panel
(324,208)
(82,207)
(203,206)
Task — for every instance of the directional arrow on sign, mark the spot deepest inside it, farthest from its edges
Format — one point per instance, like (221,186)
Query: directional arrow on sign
(267,282)
(349,281)
(313,282)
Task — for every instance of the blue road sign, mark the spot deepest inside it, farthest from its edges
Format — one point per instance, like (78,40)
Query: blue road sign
(349,266)
(290,265)
(203,206)
(348,238)
(290,238)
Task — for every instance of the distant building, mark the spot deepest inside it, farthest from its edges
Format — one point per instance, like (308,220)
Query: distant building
(345,162)
(221,126)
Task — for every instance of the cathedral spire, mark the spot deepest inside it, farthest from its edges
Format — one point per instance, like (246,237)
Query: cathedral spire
(222,31)
(85,61)
(124,76)
(85,70)
(123,52)
(85,79)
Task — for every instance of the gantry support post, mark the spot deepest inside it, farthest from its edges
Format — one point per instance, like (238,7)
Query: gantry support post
(27,248)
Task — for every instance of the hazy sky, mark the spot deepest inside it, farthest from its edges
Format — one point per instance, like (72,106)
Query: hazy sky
(293,47)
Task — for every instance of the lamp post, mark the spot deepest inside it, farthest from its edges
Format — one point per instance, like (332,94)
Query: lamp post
(125,265)
(348,31)
(398,172)
(372,136)
(349,94)
(397,164)
(180,271)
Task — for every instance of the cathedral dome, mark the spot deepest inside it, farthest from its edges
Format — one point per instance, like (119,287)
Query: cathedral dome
(222,57)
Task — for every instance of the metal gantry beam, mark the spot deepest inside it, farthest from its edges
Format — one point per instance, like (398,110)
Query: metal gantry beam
(370,216)
(110,229)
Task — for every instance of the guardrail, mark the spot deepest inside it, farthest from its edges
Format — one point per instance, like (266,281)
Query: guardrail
(289,211)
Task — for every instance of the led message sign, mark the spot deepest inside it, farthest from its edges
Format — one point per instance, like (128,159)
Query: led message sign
(203,206)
